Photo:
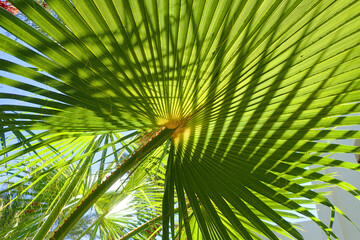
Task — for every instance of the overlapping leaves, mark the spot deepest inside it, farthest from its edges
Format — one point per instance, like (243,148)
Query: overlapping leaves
(250,87)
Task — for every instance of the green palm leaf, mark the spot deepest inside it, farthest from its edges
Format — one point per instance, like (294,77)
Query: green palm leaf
(247,92)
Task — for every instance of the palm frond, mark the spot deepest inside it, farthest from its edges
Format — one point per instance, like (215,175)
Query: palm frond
(247,92)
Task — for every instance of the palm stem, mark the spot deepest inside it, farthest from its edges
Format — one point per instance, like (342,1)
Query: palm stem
(106,184)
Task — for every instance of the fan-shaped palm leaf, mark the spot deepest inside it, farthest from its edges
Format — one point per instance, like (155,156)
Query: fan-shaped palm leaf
(244,89)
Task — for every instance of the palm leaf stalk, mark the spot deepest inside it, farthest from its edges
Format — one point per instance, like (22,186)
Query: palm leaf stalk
(248,94)
(95,194)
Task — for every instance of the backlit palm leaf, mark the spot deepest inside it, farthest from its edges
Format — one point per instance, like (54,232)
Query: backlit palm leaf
(244,90)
